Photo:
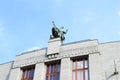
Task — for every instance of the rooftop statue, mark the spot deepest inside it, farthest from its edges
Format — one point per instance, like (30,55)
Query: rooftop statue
(58,32)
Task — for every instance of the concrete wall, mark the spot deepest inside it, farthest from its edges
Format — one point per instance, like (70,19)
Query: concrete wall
(5,70)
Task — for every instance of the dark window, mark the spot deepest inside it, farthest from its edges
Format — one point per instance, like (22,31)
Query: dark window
(53,71)
(28,73)
(80,68)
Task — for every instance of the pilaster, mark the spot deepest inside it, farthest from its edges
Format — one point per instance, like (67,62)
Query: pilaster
(66,72)
(95,68)
(15,74)
(39,72)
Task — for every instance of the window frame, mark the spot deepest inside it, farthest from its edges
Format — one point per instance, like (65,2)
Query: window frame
(82,69)
(53,69)
(28,72)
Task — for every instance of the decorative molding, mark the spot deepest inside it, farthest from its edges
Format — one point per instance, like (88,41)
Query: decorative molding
(62,54)
(84,50)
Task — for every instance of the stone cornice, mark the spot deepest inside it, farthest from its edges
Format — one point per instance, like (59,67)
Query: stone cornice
(63,54)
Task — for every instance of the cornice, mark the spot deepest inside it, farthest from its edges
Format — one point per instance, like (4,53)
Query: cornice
(63,54)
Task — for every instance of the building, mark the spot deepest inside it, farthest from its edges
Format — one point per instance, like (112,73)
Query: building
(82,60)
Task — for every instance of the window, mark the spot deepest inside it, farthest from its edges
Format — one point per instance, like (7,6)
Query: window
(53,71)
(80,68)
(28,73)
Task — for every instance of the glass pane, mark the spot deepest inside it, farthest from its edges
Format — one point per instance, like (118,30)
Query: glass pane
(74,65)
(86,63)
(58,67)
(74,78)
(50,69)
(27,74)
(46,77)
(58,76)
(32,72)
(78,75)
(81,64)
(47,69)
(51,77)
(81,75)
(55,68)
(86,74)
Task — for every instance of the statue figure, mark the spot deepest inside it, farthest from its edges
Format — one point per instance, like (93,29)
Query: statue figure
(62,32)
(55,31)
(58,32)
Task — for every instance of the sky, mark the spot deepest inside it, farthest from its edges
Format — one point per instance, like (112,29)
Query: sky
(26,24)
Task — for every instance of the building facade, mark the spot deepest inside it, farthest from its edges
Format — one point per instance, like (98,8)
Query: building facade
(82,60)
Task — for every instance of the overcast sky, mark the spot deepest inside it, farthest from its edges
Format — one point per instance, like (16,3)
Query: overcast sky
(26,24)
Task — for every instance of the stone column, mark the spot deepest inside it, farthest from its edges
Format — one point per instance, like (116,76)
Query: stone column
(39,72)
(15,74)
(66,71)
(95,68)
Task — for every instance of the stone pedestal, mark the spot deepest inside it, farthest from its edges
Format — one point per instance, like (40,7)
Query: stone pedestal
(54,47)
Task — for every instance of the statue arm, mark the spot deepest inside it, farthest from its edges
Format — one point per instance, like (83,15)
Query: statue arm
(66,31)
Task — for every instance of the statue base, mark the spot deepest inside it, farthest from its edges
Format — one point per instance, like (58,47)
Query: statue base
(54,46)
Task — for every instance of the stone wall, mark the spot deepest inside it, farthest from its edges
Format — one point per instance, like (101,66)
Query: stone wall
(110,54)
(5,70)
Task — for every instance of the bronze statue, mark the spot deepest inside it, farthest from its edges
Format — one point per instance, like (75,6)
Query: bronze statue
(55,30)
(62,32)
(58,32)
